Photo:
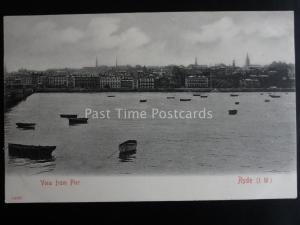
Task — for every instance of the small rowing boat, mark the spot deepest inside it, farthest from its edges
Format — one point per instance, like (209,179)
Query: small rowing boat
(185,99)
(26,125)
(30,151)
(203,96)
(128,147)
(232,111)
(237,103)
(274,96)
(68,115)
(143,100)
(234,95)
(170,97)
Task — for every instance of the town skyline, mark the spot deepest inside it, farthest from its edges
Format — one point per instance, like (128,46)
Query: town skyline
(150,39)
(247,62)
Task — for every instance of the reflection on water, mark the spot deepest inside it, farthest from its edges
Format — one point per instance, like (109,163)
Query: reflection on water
(126,157)
(39,165)
(77,124)
(25,128)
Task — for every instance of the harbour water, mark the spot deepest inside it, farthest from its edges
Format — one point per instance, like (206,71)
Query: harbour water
(261,137)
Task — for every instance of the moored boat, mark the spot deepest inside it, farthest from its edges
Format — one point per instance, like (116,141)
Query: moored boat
(185,99)
(77,120)
(68,115)
(232,111)
(267,100)
(274,96)
(30,151)
(143,100)
(111,96)
(170,97)
(196,94)
(234,95)
(203,96)
(237,103)
(128,147)
(26,125)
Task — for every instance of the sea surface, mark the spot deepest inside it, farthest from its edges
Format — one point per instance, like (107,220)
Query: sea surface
(261,137)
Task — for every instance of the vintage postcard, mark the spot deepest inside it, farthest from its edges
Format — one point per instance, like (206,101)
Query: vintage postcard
(150,107)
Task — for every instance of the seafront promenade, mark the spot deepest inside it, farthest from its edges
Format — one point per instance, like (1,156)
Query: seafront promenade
(14,96)
(168,90)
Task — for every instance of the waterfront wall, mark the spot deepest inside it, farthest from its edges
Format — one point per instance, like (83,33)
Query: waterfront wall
(14,96)
(169,90)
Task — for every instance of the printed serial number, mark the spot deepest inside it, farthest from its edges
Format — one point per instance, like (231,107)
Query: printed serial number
(16,198)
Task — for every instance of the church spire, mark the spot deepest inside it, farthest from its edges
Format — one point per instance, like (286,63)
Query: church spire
(96,62)
(247,60)
(196,63)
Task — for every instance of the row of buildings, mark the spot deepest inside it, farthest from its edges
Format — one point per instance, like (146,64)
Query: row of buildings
(78,81)
(126,77)
(95,82)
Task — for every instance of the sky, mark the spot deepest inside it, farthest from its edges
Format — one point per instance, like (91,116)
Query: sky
(74,41)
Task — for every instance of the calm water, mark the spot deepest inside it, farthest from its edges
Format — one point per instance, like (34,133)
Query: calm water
(260,138)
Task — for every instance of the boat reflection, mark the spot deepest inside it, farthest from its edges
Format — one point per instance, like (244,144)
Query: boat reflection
(26,128)
(38,165)
(126,157)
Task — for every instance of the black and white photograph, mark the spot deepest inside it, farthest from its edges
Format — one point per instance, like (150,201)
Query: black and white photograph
(123,106)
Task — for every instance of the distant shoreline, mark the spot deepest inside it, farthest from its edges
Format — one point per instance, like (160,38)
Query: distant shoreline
(45,90)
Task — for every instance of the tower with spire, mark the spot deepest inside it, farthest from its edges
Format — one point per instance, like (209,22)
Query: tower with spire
(247,64)
(233,63)
(96,62)
(196,63)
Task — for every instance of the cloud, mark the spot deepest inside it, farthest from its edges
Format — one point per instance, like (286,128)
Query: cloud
(48,31)
(217,31)
(267,29)
(75,40)
(47,37)
(101,34)
(226,29)
(71,35)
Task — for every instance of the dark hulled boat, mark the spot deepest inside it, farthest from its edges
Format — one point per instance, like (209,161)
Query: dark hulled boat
(26,125)
(185,99)
(203,96)
(237,103)
(143,100)
(170,97)
(232,111)
(234,95)
(267,100)
(196,94)
(77,120)
(68,115)
(274,96)
(128,147)
(30,151)
(111,96)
